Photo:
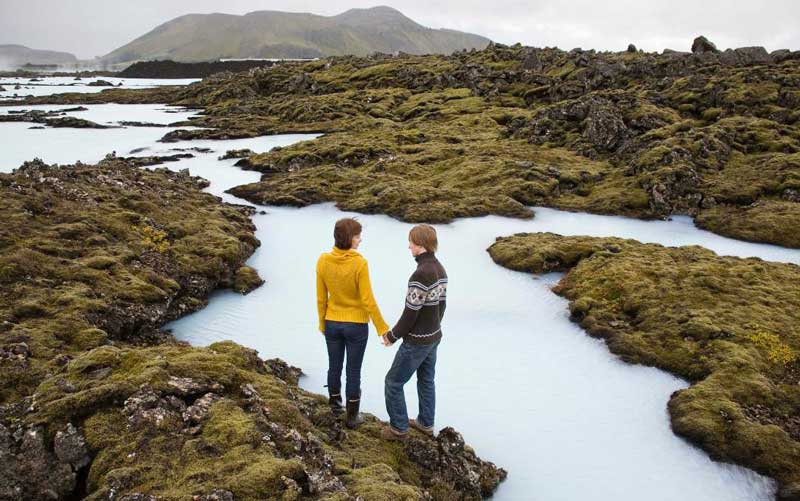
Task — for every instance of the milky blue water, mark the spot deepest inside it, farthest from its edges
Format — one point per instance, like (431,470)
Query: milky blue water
(527,387)
(59,85)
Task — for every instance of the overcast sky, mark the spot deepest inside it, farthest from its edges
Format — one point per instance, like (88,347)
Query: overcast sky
(89,28)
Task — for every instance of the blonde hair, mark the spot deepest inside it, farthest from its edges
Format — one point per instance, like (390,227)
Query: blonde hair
(424,235)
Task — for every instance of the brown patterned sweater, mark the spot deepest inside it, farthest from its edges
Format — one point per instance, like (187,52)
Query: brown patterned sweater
(426,297)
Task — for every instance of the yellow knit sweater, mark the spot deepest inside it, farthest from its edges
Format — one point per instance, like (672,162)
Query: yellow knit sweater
(344,292)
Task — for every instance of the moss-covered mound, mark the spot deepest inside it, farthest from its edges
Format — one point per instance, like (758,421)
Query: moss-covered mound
(730,326)
(92,254)
(173,422)
(97,402)
(494,131)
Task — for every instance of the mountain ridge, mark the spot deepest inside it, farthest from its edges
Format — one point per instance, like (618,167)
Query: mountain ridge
(14,55)
(279,34)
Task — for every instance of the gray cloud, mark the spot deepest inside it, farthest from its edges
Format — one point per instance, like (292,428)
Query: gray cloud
(91,28)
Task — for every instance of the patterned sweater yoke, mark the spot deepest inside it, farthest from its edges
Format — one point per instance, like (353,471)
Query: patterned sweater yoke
(426,299)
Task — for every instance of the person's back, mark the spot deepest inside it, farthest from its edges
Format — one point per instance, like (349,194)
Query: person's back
(345,304)
(342,271)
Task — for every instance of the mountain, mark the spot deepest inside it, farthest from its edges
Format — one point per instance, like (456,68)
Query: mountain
(273,34)
(14,56)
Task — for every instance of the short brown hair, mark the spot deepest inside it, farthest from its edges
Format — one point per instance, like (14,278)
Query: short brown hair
(344,231)
(424,235)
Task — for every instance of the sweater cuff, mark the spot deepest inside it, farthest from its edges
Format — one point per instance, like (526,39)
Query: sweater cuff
(381,327)
(391,337)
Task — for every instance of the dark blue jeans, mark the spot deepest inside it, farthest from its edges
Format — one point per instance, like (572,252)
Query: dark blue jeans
(411,358)
(351,339)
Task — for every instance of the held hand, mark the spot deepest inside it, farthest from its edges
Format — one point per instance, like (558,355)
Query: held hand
(386,341)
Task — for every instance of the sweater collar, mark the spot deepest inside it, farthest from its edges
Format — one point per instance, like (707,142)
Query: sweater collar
(342,252)
(425,256)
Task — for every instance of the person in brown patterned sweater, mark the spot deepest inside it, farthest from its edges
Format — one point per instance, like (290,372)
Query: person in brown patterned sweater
(420,329)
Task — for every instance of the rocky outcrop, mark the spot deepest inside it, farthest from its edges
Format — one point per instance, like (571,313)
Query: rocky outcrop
(244,153)
(745,56)
(31,469)
(702,45)
(448,459)
(172,69)
(54,118)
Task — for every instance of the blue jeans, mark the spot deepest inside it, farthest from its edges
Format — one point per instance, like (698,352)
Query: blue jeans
(411,358)
(345,338)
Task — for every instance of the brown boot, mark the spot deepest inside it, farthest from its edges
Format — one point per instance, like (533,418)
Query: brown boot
(389,433)
(422,429)
(353,418)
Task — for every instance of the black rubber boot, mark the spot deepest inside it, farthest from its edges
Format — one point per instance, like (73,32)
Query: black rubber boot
(353,418)
(335,401)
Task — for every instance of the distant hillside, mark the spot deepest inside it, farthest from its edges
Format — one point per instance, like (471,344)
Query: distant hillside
(273,34)
(14,56)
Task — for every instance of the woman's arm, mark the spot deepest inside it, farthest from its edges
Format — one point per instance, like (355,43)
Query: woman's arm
(322,299)
(368,300)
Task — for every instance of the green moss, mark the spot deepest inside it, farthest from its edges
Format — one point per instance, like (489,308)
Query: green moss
(379,482)
(432,138)
(728,325)
(54,284)
(771,221)
(228,425)
(246,279)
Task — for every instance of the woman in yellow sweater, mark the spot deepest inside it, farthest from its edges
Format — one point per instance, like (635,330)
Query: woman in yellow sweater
(346,304)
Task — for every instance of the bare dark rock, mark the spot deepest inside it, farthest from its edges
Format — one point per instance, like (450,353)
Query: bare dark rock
(197,412)
(100,83)
(172,69)
(283,371)
(29,470)
(74,122)
(70,447)
(702,45)
(197,149)
(147,408)
(605,129)
(215,495)
(155,160)
(243,153)
(782,55)
(449,460)
(133,123)
(138,496)
(186,387)
(745,56)
(18,352)
(52,118)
